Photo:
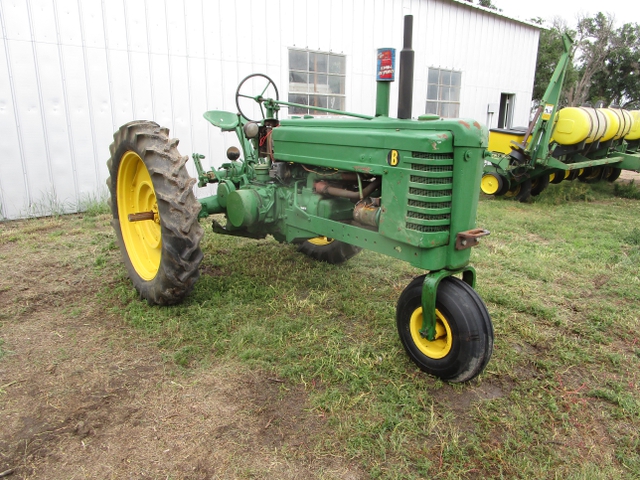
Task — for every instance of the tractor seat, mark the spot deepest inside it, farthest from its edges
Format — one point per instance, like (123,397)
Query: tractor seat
(226,121)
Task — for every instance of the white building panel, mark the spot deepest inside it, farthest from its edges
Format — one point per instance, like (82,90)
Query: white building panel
(211,30)
(141,85)
(35,155)
(13,189)
(56,132)
(15,20)
(176,28)
(195,28)
(99,101)
(91,25)
(115,31)
(68,20)
(43,26)
(136,25)
(80,122)
(156,23)
(120,87)
(161,90)
(73,71)
(181,108)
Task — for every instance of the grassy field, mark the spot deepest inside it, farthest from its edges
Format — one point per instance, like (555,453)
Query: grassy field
(559,399)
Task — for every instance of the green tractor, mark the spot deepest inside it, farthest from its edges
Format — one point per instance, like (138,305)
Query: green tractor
(405,188)
(584,143)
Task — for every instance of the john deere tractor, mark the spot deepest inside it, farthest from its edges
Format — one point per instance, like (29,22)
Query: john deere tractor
(406,188)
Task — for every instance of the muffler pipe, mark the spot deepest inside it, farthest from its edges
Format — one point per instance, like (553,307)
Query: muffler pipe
(407,59)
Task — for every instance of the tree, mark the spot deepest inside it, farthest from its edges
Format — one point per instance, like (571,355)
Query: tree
(550,48)
(486,4)
(594,41)
(619,81)
(606,66)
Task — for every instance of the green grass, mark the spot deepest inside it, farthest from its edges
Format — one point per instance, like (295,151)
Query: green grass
(559,399)
(627,190)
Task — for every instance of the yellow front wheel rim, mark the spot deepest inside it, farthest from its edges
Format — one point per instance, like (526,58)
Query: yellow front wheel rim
(438,348)
(135,194)
(320,241)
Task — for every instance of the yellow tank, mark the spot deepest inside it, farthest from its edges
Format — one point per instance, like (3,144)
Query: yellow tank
(618,123)
(634,131)
(577,124)
(500,139)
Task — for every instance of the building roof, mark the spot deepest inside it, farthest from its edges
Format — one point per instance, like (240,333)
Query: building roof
(498,13)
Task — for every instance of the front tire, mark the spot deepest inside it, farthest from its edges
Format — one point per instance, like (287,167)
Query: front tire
(464,333)
(148,176)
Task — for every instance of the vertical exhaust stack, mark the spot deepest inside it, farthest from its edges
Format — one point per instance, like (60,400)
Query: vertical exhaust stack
(407,58)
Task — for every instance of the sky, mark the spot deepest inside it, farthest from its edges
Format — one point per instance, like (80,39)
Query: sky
(624,11)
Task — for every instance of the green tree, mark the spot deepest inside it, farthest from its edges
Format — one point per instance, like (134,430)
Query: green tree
(606,66)
(486,4)
(595,39)
(550,48)
(619,81)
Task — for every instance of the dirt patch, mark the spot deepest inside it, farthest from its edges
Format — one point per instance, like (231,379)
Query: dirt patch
(83,395)
(629,175)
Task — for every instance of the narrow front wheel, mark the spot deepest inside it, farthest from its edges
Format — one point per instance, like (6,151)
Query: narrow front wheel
(464,333)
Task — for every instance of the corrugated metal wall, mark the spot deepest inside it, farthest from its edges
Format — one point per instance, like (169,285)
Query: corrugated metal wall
(73,71)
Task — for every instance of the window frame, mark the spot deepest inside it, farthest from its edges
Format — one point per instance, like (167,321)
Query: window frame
(446,92)
(326,79)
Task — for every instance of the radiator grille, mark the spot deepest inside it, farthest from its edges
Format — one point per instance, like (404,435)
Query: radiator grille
(431,180)
(427,228)
(431,168)
(429,203)
(429,193)
(419,204)
(424,216)
(432,156)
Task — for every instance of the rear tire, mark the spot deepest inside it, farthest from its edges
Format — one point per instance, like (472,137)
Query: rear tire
(464,333)
(148,174)
(328,250)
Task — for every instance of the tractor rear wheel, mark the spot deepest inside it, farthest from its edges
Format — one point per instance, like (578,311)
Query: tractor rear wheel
(328,250)
(464,333)
(155,212)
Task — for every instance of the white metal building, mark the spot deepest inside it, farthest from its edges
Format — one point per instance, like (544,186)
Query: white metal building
(73,71)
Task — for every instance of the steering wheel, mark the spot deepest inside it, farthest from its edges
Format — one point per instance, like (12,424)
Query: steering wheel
(256,80)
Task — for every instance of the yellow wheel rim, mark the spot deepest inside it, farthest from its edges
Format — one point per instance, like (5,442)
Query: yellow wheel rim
(552,177)
(513,192)
(489,184)
(441,346)
(595,173)
(135,194)
(320,241)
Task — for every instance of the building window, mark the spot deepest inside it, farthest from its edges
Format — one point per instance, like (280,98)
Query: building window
(507,105)
(443,92)
(316,79)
